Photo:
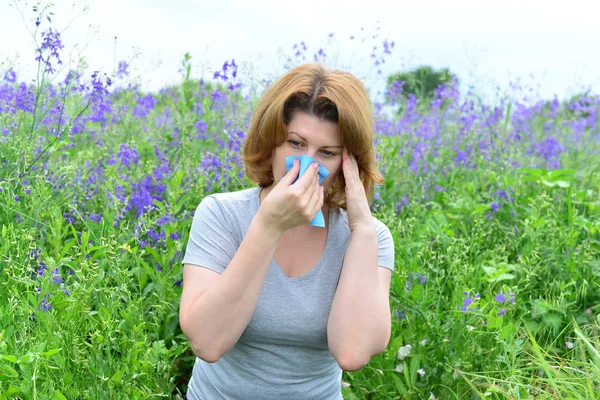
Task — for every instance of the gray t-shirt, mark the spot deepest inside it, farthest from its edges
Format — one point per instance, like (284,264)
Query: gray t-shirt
(283,353)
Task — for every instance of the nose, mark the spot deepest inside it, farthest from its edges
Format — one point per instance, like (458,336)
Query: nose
(312,153)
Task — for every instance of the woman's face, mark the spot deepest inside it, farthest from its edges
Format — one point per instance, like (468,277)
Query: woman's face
(307,135)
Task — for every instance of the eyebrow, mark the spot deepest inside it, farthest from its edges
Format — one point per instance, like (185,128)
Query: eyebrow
(325,147)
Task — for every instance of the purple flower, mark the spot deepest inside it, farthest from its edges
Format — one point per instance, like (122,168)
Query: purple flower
(467,301)
(400,314)
(34,253)
(50,44)
(145,104)
(57,279)
(42,268)
(45,305)
(223,73)
(100,88)
(501,313)
(494,207)
(500,297)
(10,76)
(128,155)
(166,219)
(201,127)
(122,71)
(95,217)
(420,277)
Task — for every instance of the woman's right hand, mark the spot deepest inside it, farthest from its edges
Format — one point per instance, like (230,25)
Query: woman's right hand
(289,204)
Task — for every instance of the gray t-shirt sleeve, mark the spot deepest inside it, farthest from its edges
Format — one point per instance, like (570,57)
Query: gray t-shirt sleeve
(385,241)
(211,243)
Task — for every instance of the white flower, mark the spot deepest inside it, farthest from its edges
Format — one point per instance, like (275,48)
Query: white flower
(380,371)
(432,396)
(404,352)
(570,345)
(470,328)
(421,372)
(423,342)
(345,384)
(400,368)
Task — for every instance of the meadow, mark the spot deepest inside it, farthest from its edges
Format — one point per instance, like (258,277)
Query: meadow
(494,210)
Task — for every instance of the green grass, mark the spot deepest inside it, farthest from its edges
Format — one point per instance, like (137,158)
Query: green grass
(114,332)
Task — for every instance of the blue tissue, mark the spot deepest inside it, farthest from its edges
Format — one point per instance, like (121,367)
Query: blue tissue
(305,162)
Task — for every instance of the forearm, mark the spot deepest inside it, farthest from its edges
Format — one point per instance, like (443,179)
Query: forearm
(359,323)
(219,317)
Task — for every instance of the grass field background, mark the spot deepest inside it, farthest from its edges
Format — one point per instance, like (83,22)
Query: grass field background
(494,209)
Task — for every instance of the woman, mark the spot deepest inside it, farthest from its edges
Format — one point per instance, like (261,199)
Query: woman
(274,305)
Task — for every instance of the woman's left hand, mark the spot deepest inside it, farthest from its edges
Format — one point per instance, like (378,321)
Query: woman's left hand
(357,206)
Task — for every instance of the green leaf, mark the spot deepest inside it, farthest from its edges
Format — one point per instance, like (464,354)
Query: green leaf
(493,322)
(550,184)
(400,386)
(118,375)
(553,320)
(58,395)
(50,353)
(415,363)
(12,359)
(508,331)
(8,372)
(504,277)
(12,389)
(41,347)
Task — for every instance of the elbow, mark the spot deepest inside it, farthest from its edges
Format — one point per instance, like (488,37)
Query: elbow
(209,354)
(204,355)
(352,362)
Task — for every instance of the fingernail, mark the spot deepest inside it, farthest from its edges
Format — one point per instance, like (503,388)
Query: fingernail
(315,165)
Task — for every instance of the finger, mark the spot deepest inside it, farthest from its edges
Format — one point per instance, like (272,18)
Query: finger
(292,174)
(318,200)
(314,196)
(348,171)
(304,182)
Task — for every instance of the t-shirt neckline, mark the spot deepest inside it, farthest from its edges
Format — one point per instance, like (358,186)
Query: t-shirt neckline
(325,250)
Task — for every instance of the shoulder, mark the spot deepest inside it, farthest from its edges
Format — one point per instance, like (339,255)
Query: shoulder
(383,232)
(232,209)
(232,201)
(236,197)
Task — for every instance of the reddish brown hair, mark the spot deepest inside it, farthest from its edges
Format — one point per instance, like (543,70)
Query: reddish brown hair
(331,95)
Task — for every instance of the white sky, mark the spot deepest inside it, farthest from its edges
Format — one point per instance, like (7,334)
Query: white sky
(486,43)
